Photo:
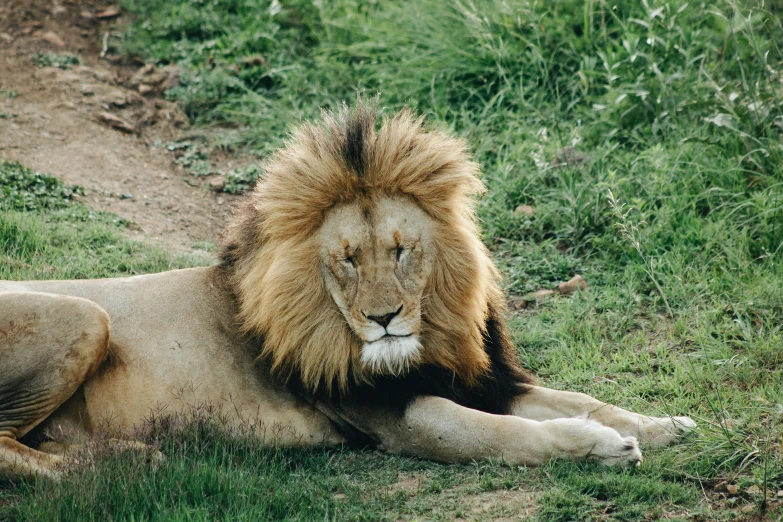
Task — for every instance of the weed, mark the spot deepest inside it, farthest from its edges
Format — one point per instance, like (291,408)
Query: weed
(241,179)
(192,157)
(25,189)
(630,231)
(59,60)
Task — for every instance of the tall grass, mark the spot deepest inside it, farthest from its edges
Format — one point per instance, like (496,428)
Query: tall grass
(676,104)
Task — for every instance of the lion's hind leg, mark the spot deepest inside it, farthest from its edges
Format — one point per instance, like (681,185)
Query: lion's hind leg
(545,404)
(49,345)
(19,461)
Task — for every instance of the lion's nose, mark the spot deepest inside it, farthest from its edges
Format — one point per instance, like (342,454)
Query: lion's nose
(384,320)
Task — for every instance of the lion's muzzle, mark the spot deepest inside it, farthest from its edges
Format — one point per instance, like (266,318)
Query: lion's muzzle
(391,354)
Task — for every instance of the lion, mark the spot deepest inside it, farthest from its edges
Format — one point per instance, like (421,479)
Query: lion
(353,303)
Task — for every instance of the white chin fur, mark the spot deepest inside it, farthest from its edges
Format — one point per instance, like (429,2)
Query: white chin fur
(390,354)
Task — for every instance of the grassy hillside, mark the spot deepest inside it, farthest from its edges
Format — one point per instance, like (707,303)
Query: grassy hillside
(671,208)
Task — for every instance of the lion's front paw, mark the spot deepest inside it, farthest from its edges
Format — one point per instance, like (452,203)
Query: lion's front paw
(660,431)
(612,449)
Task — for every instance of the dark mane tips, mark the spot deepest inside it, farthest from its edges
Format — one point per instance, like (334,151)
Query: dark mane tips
(354,129)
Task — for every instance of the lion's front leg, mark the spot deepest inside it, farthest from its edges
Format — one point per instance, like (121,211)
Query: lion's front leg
(544,404)
(439,429)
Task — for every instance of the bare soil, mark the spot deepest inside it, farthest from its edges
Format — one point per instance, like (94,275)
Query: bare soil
(497,506)
(91,126)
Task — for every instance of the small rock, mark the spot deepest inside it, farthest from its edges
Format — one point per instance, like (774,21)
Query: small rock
(100,74)
(53,39)
(6,37)
(753,490)
(117,98)
(57,10)
(525,209)
(115,122)
(173,74)
(66,76)
(568,157)
(218,183)
(126,196)
(87,90)
(731,489)
(538,294)
(572,285)
(750,508)
(149,75)
(33,28)
(108,13)
(147,118)
(138,76)
(779,494)
(145,89)
(255,59)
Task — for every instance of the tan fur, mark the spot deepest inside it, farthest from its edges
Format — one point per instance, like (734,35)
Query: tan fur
(350,226)
(277,249)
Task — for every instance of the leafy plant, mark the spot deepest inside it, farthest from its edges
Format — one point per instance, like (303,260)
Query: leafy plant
(24,189)
(59,60)
(241,179)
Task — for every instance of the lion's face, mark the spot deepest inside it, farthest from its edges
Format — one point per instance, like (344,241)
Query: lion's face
(377,257)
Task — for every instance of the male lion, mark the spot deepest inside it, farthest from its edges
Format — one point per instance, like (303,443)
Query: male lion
(354,303)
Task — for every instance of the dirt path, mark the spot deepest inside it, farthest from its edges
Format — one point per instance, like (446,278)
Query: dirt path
(58,121)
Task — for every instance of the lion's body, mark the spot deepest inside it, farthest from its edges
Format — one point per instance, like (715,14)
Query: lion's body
(156,366)
(354,302)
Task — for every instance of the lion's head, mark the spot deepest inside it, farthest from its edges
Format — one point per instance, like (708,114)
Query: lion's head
(358,253)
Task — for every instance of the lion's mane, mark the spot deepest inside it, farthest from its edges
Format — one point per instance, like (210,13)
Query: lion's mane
(273,258)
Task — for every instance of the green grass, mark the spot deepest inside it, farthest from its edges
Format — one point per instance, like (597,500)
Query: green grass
(45,234)
(675,219)
(210,477)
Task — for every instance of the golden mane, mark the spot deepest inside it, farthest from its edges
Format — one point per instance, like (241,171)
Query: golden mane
(273,258)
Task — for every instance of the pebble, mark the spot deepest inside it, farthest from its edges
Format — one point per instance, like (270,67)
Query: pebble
(572,285)
(525,209)
(53,39)
(217,184)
